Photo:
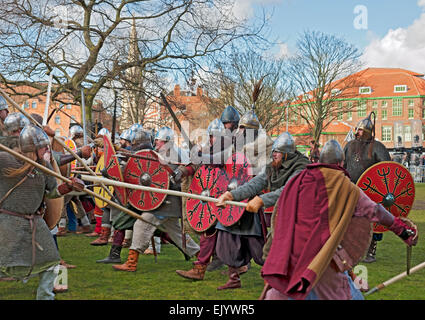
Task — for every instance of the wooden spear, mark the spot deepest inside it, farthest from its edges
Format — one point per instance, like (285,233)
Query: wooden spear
(396,278)
(157,190)
(58,176)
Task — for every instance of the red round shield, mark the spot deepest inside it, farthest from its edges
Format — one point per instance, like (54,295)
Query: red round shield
(390,184)
(113,168)
(236,169)
(146,170)
(201,215)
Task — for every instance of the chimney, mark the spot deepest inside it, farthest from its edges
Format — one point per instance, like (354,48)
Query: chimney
(177,90)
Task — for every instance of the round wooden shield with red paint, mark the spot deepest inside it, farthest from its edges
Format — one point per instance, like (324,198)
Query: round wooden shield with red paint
(146,170)
(236,169)
(113,168)
(390,184)
(201,215)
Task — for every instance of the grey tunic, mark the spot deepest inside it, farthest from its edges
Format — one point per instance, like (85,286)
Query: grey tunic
(15,232)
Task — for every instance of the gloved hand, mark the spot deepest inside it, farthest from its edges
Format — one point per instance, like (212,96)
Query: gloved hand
(49,131)
(227,196)
(406,230)
(85,152)
(75,184)
(254,204)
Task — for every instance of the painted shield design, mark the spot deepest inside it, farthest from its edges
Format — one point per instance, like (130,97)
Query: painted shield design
(99,190)
(146,170)
(236,170)
(113,168)
(390,184)
(73,146)
(201,215)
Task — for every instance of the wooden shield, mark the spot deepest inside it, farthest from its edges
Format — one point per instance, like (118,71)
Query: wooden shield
(113,168)
(236,170)
(146,170)
(99,190)
(201,215)
(54,207)
(390,184)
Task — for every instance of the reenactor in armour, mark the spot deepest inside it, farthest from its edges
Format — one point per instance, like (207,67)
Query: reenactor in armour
(360,154)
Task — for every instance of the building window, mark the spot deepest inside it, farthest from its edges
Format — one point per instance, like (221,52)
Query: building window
(387,133)
(384,104)
(423,113)
(73,119)
(407,133)
(34,104)
(411,103)
(350,115)
(410,113)
(339,113)
(397,107)
(375,104)
(384,114)
(361,111)
(400,88)
(58,132)
(58,120)
(365,90)
(68,106)
(25,105)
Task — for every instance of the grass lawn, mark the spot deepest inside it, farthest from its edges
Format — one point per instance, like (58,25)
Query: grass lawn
(159,281)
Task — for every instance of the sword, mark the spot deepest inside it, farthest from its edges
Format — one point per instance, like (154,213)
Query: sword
(46,107)
(408,259)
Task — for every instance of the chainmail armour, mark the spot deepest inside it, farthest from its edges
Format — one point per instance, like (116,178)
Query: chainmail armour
(15,232)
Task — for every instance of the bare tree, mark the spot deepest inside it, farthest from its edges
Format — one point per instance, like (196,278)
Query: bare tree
(322,73)
(235,81)
(85,42)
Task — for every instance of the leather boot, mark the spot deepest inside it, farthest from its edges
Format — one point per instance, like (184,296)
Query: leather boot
(114,255)
(131,264)
(371,253)
(234,281)
(103,239)
(196,273)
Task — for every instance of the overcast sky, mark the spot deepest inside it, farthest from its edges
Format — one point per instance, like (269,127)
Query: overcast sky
(389,33)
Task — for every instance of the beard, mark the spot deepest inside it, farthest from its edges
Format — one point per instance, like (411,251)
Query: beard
(276,163)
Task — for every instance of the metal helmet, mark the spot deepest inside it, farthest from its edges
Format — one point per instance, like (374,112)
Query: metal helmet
(165,134)
(136,127)
(75,130)
(127,135)
(230,114)
(15,121)
(104,132)
(250,120)
(216,127)
(367,126)
(284,143)
(33,138)
(331,153)
(3,103)
(142,136)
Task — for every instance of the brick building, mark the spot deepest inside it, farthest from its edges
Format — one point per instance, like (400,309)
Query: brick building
(396,96)
(59,122)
